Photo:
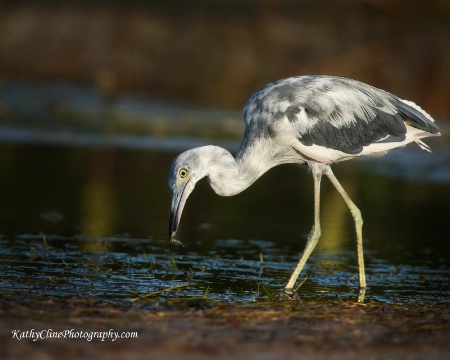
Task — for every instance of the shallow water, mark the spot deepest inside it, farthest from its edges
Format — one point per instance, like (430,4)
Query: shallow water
(91,221)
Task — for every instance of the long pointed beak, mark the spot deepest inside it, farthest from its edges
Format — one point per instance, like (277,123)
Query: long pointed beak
(178,200)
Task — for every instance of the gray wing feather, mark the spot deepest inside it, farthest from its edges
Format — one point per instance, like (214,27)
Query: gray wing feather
(332,112)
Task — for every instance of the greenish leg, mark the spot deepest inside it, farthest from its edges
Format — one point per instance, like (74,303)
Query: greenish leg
(313,236)
(357,218)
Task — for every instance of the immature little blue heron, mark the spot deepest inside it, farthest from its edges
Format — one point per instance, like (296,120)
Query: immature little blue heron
(317,120)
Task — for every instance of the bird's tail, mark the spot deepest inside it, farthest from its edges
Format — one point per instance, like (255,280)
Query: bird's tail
(423,146)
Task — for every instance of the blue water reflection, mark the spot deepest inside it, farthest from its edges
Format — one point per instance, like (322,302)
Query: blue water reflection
(91,222)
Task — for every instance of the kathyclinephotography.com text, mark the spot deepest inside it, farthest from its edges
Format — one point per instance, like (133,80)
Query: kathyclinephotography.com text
(45,334)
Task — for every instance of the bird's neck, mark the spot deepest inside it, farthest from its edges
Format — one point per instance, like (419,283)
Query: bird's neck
(227,176)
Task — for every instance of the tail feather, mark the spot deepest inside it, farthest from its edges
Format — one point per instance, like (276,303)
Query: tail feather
(423,146)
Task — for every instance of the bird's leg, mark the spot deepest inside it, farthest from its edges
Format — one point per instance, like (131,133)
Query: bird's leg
(313,236)
(357,218)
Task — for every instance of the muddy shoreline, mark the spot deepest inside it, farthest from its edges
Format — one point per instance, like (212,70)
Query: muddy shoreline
(200,329)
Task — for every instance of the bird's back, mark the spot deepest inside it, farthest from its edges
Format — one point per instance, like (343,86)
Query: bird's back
(334,116)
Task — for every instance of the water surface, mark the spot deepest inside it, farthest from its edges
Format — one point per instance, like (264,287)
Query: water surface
(91,221)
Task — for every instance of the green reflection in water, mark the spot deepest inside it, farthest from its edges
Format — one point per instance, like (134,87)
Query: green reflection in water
(104,212)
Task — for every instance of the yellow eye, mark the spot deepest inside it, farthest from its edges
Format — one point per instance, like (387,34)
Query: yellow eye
(183,173)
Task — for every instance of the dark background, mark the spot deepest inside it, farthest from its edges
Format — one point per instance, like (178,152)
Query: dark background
(217,53)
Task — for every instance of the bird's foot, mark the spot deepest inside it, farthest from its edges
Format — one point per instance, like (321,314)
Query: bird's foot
(289,291)
(361,295)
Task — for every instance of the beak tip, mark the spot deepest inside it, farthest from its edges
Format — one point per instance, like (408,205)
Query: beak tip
(175,241)
(172,226)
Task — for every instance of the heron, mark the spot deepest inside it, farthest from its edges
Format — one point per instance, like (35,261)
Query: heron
(315,120)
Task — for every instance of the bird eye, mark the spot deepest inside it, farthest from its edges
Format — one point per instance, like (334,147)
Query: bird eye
(183,173)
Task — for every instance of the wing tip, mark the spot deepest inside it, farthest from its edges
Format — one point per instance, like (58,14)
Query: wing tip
(417,116)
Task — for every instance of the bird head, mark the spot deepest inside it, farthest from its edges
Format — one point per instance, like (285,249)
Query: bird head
(184,173)
(214,162)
